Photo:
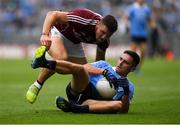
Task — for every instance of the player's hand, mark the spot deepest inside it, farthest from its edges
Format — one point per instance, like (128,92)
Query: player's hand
(123,86)
(123,82)
(119,94)
(45,41)
(111,78)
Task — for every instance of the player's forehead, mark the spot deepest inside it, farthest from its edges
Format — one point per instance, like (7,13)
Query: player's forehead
(103,26)
(126,57)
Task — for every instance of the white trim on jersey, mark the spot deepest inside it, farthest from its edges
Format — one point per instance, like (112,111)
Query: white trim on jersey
(81,20)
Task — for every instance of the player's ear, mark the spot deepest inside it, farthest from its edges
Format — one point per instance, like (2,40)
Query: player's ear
(98,22)
(133,68)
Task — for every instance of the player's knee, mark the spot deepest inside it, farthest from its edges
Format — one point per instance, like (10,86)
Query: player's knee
(62,56)
(79,68)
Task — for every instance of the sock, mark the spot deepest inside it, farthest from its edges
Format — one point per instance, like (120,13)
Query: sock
(50,64)
(37,84)
(76,108)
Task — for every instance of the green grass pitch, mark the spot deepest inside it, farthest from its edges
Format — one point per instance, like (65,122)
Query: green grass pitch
(156,100)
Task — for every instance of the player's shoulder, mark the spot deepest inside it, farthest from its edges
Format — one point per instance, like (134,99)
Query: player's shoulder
(86,13)
(130,83)
(101,64)
(133,6)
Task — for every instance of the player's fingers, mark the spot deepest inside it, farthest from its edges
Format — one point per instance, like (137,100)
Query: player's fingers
(44,43)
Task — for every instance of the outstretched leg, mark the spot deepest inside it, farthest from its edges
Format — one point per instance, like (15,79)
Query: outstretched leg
(79,80)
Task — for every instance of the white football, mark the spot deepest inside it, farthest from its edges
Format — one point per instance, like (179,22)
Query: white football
(105,89)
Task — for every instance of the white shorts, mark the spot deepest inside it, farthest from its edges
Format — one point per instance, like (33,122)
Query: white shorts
(73,50)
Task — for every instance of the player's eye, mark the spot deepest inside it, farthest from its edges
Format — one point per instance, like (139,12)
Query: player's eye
(120,58)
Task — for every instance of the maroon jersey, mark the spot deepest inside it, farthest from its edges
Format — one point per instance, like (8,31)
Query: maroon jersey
(81,27)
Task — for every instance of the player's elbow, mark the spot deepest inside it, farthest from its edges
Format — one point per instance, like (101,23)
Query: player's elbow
(52,15)
(120,107)
(124,111)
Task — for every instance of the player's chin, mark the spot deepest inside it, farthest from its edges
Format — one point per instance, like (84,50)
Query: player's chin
(99,40)
(118,69)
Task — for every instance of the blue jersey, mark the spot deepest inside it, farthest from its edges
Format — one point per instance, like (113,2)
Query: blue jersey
(95,78)
(139,17)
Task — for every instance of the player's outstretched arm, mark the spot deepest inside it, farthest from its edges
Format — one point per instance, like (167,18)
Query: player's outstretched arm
(51,18)
(96,106)
(105,72)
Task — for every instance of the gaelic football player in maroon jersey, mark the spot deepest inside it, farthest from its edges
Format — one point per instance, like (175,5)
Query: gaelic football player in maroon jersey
(62,36)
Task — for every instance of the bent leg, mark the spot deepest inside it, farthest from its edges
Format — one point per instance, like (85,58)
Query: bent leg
(58,52)
(80,78)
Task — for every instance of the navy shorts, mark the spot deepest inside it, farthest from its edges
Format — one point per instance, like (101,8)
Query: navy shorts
(89,93)
(138,40)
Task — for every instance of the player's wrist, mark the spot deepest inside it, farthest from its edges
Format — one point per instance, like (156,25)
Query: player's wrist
(104,72)
(126,90)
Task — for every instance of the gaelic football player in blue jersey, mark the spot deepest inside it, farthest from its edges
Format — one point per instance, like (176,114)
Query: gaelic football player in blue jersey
(83,97)
(140,18)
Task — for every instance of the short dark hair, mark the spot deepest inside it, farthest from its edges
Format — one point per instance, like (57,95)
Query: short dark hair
(110,22)
(134,55)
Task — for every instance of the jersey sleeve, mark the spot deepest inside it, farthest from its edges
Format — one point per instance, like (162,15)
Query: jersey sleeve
(83,16)
(131,92)
(101,64)
(129,11)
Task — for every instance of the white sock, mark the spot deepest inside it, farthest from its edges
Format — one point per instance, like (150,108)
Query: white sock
(37,85)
